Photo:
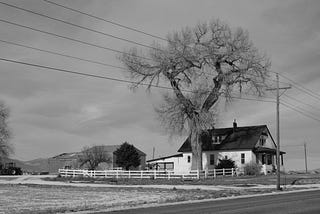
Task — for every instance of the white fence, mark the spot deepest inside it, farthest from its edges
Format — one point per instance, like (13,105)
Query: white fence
(150,174)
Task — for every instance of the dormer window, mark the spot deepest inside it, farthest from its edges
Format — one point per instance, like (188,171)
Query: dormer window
(218,139)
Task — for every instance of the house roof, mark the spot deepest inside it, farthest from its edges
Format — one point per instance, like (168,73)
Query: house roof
(242,138)
(165,157)
(70,155)
(106,148)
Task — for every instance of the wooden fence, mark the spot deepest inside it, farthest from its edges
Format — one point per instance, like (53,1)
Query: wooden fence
(150,174)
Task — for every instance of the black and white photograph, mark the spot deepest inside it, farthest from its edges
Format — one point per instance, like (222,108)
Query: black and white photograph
(159,106)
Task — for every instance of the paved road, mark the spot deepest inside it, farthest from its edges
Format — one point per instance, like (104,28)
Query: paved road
(300,202)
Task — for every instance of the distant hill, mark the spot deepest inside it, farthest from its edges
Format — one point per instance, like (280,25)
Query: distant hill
(36,165)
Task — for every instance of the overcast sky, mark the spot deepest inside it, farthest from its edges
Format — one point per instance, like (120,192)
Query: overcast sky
(53,112)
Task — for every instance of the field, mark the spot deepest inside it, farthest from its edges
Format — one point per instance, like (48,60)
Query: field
(227,181)
(55,198)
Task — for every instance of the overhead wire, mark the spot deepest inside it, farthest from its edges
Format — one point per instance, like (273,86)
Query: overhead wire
(296,109)
(76,25)
(68,38)
(106,77)
(106,20)
(61,54)
(99,32)
(302,88)
(299,101)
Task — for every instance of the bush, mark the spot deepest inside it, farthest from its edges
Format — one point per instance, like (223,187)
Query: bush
(225,164)
(252,169)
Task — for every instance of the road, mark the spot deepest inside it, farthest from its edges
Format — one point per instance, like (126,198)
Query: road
(299,202)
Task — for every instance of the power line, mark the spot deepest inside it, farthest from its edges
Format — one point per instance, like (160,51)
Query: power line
(64,55)
(107,78)
(301,109)
(299,101)
(79,26)
(105,20)
(68,38)
(303,88)
(301,112)
(123,26)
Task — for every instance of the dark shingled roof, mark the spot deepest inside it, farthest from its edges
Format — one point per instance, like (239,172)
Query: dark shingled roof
(243,138)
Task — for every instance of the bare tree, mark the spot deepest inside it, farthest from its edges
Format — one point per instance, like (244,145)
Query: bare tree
(200,64)
(93,156)
(5,146)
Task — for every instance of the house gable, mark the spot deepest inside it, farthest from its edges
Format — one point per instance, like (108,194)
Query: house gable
(242,138)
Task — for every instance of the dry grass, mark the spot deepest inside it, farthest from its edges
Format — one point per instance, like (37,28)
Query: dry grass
(54,199)
(227,181)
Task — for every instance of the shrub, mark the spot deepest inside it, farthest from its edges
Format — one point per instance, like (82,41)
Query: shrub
(225,164)
(252,169)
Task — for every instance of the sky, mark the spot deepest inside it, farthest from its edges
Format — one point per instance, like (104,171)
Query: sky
(54,112)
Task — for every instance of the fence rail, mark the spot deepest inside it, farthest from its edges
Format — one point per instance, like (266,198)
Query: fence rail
(150,174)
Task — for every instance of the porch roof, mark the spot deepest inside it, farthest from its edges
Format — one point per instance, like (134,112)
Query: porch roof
(267,150)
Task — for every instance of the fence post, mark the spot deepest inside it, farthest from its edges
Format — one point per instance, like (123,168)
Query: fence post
(129,174)
(214,173)
(232,172)
(206,173)
(198,174)
(155,174)
(169,175)
(223,172)
(141,175)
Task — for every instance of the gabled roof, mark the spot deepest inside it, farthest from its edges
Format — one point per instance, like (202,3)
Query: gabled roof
(106,148)
(70,155)
(242,138)
(113,148)
(166,157)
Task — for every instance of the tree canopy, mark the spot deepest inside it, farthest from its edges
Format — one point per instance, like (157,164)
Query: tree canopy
(200,65)
(127,156)
(5,147)
(93,156)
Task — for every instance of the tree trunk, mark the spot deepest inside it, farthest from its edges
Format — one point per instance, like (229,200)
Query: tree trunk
(196,145)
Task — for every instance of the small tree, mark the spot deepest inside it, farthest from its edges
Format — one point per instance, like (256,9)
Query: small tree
(225,164)
(93,156)
(252,169)
(5,146)
(127,156)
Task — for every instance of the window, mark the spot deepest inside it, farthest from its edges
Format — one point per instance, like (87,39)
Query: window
(212,159)
(243,158)
(269,159)
(262,141)
(263,159)
(218,139)
(189,158)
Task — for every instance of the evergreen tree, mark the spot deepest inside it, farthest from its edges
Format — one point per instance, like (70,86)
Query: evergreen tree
(127,156)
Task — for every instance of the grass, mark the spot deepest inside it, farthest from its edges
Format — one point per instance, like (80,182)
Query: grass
(38,199)
(228,181)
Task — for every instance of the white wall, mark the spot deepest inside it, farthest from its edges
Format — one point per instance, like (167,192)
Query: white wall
(234,155)
(180,164)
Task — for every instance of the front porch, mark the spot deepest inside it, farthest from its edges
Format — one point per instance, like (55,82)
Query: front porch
(266,157)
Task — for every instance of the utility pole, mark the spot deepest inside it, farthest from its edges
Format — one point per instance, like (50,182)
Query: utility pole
(305,156)
(153,151)
(278,128)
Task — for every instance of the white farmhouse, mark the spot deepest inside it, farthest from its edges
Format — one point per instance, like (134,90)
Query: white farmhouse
(249,144)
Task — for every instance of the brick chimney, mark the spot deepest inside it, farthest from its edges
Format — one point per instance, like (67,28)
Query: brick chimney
(234,125)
